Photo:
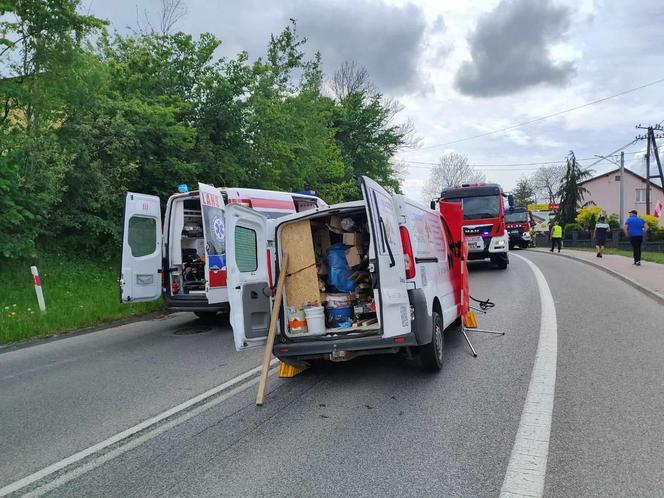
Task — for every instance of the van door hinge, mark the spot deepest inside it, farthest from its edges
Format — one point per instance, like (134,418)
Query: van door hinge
(371,268)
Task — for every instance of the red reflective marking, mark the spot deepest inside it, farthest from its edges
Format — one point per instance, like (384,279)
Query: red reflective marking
(259,203)
(37,280)
(269,268)
(399,340)
(217,278)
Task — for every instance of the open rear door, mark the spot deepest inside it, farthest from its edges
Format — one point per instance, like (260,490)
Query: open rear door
(140,278)
(214,233)
(248,278)
(384,226)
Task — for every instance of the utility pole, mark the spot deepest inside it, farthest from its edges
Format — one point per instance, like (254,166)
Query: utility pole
(651,138)
(622,189)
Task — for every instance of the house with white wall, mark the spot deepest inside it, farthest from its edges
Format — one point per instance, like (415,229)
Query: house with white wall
(604,191)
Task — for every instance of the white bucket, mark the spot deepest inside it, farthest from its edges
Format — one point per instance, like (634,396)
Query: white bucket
(315,316)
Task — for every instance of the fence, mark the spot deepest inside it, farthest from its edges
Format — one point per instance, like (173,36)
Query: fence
(616,238)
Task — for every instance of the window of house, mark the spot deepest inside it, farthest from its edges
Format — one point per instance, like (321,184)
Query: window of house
(640,195)
(617,178)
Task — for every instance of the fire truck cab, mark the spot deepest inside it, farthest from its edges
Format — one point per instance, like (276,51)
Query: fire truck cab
(518,224)
(484,220)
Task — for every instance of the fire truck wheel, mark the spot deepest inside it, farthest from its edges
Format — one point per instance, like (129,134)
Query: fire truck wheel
(500,260)
(431,355)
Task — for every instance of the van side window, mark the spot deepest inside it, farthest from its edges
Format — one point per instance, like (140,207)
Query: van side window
(142,236)
(246,249)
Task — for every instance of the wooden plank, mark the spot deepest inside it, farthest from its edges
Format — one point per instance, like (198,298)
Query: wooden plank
(302,284)
(272,332)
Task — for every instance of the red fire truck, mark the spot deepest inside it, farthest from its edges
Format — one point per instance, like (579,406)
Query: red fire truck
(484,220)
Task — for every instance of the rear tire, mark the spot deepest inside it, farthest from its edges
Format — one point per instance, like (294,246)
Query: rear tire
(431,355)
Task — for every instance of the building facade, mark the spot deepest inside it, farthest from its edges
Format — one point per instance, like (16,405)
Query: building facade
(604,191)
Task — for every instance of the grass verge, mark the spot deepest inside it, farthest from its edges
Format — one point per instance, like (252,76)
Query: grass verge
(653,257)
(78,293)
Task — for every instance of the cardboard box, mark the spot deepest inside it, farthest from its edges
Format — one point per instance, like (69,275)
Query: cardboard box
(353,256)
(353,238)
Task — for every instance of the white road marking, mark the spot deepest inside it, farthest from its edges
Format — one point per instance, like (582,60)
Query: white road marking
(147,424)
(526,470)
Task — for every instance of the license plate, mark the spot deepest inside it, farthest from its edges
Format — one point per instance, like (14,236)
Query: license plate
(475,243)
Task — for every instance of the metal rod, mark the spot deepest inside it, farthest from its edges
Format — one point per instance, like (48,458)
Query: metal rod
(470,344)
(486,331)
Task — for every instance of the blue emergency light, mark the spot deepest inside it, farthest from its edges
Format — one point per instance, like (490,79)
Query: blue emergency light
(183,188)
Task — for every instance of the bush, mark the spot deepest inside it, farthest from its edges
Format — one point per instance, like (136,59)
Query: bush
(572,227)
(614,221)
(587,217)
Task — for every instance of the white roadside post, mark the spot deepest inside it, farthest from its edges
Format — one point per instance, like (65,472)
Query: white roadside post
(38,289)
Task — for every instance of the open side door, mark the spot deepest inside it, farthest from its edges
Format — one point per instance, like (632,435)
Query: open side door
(248,277)
(214,234)
(386,241)
(140,278)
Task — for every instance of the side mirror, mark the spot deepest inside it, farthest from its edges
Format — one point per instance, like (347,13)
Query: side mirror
(510,200)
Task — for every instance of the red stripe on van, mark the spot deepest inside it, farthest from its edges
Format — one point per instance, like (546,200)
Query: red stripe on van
(259,203)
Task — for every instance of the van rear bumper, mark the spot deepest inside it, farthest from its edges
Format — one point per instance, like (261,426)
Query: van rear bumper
(314,348)
(194,304)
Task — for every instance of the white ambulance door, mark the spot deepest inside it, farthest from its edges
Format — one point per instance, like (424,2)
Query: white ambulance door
(140,278)
(214,235)
(248,277)
(386,242)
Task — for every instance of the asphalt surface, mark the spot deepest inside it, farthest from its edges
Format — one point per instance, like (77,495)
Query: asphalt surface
(62,396)
(373,426)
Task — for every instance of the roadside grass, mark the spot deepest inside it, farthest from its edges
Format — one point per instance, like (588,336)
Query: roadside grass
(653,257)
(78,293)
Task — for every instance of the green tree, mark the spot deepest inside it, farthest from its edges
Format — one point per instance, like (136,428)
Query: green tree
(571,192)
(42,43)
(524,192)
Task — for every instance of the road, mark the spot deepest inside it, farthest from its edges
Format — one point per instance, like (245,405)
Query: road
(373,426)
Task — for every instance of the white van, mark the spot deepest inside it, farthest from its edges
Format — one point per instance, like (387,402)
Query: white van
(397,281)
(185,261)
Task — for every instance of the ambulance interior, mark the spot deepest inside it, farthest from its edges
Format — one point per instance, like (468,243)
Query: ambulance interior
(186,247)
(186,244)
(329,290)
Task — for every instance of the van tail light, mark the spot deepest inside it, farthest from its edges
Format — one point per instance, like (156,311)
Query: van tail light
(409,259)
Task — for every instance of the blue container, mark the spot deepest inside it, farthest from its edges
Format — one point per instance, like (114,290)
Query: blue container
(336,317)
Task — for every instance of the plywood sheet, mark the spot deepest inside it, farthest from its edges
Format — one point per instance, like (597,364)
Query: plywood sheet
(302,282)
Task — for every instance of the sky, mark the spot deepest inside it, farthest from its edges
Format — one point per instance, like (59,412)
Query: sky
(462,68)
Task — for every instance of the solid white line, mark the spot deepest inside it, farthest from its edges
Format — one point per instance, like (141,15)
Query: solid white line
(77,457)
(526,470)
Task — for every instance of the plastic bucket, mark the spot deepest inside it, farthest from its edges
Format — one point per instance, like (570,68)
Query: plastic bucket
(315,316)
(296,321)
(336,317)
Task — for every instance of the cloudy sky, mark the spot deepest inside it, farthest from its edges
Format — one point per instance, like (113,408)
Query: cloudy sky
(463,68)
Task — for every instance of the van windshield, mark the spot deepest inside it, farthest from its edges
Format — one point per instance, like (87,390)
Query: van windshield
(476,207)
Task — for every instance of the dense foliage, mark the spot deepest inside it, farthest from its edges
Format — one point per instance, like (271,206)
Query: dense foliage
(86,116)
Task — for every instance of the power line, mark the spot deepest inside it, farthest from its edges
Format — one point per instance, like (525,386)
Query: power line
(542,118)
(500,165)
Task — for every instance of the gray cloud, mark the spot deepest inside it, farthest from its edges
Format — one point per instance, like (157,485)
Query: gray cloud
(510,49)
(387,40)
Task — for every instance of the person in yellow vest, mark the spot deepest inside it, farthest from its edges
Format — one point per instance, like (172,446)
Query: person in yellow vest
(556,236)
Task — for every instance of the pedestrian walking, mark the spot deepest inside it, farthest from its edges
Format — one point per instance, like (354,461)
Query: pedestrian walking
(634,228)
(599,235)
(556,236)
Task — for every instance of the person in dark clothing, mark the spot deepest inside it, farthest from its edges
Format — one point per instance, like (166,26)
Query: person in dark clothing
(634,228)
(599,234)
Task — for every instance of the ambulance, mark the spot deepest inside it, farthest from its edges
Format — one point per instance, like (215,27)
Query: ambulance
(382,270)
(184,260)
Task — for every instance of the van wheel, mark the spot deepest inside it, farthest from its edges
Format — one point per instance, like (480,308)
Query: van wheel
(431,355)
